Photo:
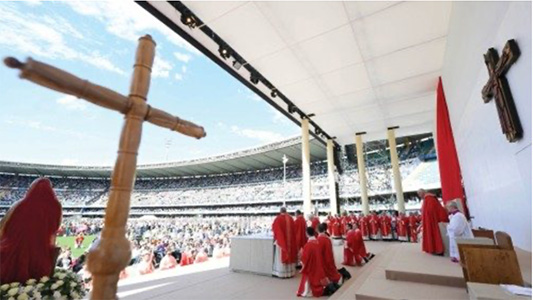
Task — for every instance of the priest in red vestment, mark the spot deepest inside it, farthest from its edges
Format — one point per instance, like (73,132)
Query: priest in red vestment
(326,249)
(374,226)
(336,230)
(432,214)
(285,252)
(314,221)
(299,228)
(413,228)
(402,223)
(345,219)
(314,280)
(354,248)
(329,223)
(27,235)
(386,226)
(364,227)
(353,220)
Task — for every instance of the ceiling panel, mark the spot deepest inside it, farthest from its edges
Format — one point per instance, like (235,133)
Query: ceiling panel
(401,89)
(300,20)
(365,114)
(351,79)
(359,9)
(407,63)
(401,26)
(293,69)
(331,51)
(304,91)
(252,41)
(355,99)
(407,107)
(211,10)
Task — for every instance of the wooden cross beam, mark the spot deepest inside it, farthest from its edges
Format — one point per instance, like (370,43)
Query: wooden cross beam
(497,87)
(112,253)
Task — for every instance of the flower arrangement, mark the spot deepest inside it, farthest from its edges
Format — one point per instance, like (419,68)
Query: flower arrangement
(63,285)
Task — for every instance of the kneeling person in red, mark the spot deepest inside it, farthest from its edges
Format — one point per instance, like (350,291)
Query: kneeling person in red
(314,278)
(354,248)
(326,249)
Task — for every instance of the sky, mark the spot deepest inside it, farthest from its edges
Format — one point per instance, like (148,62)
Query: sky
(97,41)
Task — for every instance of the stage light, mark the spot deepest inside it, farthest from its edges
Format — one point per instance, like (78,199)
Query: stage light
(292,108)
(254,78)
(188,19)
(224,51)
(274,93)
(318,131)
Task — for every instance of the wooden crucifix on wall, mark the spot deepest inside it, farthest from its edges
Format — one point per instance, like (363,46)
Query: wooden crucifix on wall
(497,87)
(112,252)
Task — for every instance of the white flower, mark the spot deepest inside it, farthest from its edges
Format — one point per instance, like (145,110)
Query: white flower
(57,295)
(73,284)
(44,279)
(4,287)
(54,286)
(59,282)
(31,281)
(13,291)
(23,296)
(37,295)
(39,286)
(11,298)
(14,284)
(74,295)
(61,275)
(28,288)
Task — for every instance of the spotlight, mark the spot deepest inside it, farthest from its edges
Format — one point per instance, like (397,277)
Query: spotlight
(318,131)
(224,51)
(237,65)
(254,78)
(292,108)
(274,93)
(188,19)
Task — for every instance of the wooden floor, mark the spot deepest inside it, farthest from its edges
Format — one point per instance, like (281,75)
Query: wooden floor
(214,280)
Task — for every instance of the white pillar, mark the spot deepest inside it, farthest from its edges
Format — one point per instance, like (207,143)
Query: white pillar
(396,170)
(306,168)
(331,178)
(362,173)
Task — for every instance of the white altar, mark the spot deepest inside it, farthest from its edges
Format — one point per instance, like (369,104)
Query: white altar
(252,253)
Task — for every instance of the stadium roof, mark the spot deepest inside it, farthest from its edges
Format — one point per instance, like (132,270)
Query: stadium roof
(259,158)
(357,66)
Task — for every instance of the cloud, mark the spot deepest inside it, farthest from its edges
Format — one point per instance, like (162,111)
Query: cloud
(127,20)
(183,57)
(264,136)
(161,68)
(46,36)
(72,103)
(184,69)
(178,77)
(249,95)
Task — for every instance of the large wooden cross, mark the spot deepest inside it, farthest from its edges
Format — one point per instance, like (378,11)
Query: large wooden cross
(497,87)
(112,254)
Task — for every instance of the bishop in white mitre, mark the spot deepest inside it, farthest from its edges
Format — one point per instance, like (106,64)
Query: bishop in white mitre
(457,228)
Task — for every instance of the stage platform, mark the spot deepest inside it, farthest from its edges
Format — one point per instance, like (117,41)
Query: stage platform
(214,279)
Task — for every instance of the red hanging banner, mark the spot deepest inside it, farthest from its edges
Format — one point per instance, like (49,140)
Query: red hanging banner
(450,171)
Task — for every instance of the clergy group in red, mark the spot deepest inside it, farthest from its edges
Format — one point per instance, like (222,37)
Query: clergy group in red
(376,226)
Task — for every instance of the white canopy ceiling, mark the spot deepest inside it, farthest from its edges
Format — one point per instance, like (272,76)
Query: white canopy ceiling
(359,66)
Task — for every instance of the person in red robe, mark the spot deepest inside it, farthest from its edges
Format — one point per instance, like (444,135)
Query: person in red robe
(353,220)
(314,222)
(354,248)
(314,279)
(299,228)
(336,230)
(329,222)
(413,228)
(385,226)
(186,258)
(402,223)
(374,226)
(364,227)
(201,257)
(27,235)
(432,214)
(79,240)
(326,249)
(345,219)
(285,252)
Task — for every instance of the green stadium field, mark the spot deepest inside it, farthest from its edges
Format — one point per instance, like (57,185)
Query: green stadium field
(62,241)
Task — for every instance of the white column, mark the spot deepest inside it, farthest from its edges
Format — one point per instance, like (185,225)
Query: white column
(362,173)
(396,170)
(331,178)
(306,168)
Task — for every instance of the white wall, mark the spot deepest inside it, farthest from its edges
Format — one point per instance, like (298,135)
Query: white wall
(497,174)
